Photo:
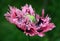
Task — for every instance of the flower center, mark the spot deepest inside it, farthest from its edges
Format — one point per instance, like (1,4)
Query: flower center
(32,18)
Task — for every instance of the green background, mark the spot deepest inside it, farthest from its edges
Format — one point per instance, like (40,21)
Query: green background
(9,32)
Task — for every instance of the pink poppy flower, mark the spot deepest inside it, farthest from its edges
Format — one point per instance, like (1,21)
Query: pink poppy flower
(28,21)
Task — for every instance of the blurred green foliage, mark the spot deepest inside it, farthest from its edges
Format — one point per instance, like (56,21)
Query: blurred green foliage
(9,32)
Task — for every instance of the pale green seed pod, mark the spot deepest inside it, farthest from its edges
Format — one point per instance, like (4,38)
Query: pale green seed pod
(32,18)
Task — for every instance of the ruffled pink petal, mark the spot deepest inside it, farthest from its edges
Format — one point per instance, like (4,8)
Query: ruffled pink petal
(41,34)
(28,9)
(42,12)
(24,8)
(31,10)
(30,32)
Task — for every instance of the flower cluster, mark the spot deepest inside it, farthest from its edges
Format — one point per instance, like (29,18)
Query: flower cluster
(28,21)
